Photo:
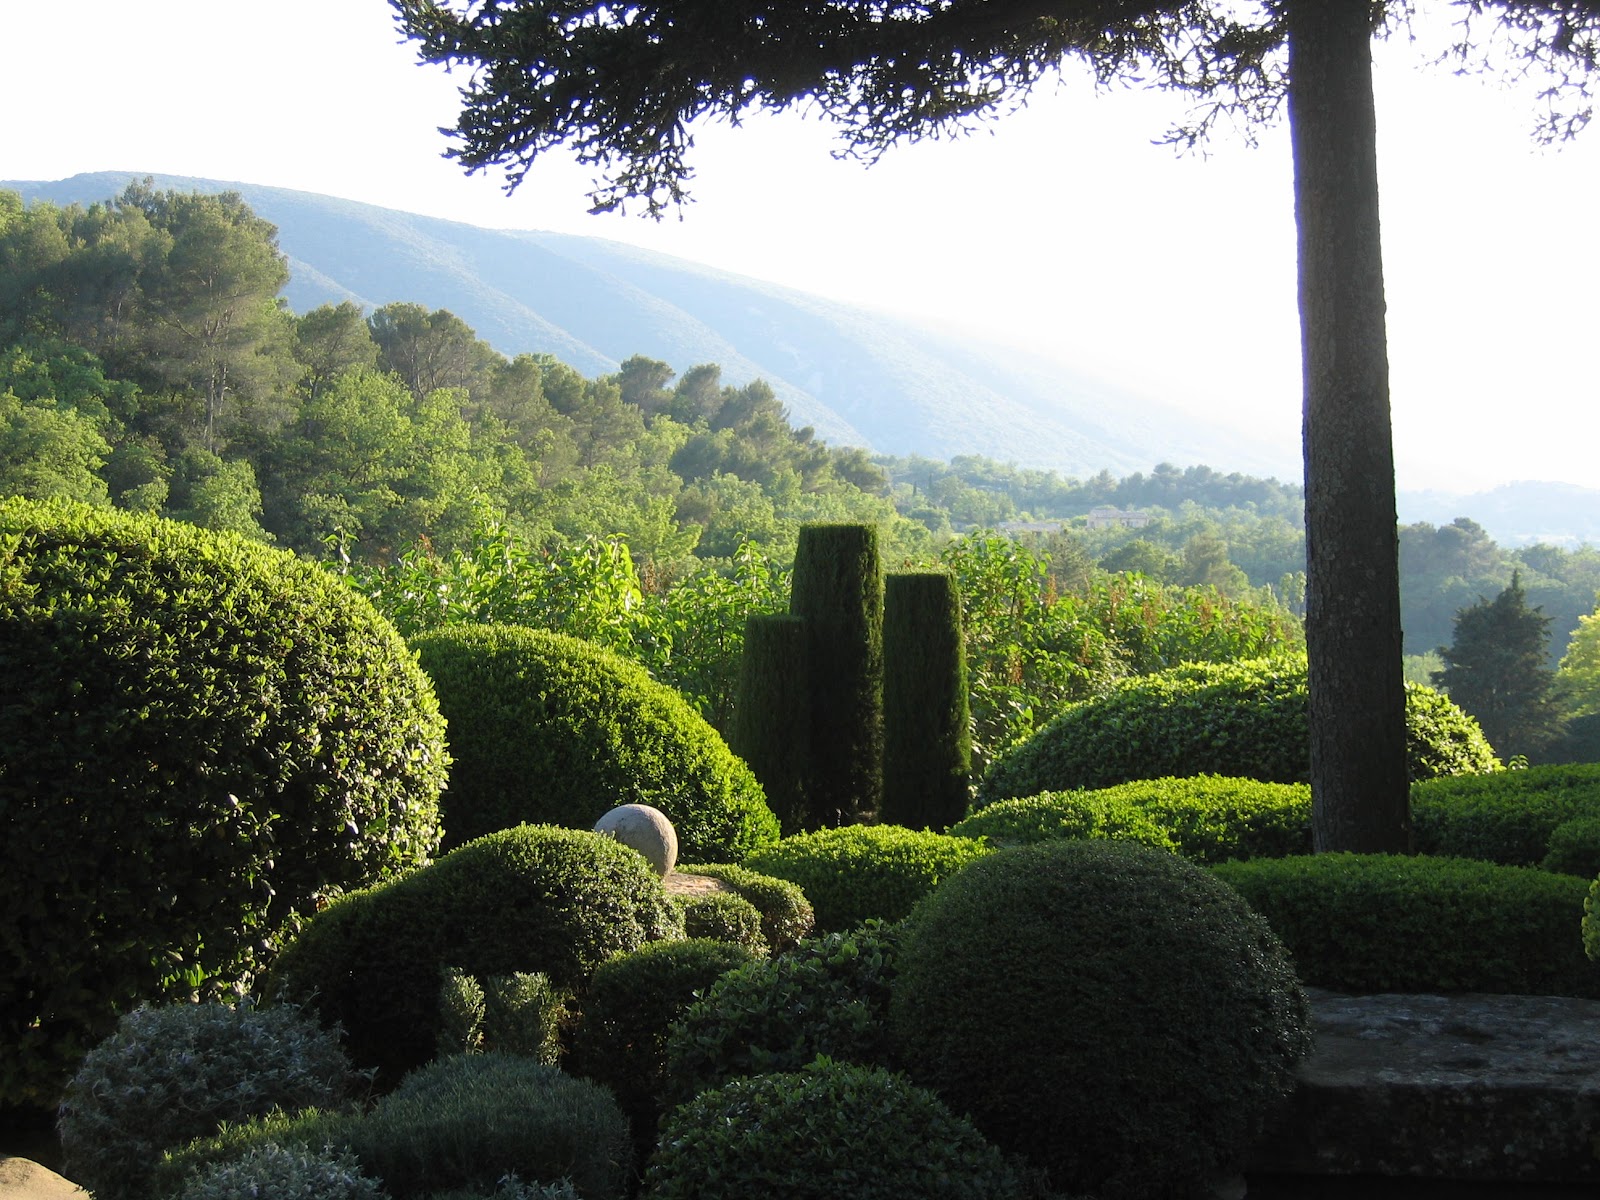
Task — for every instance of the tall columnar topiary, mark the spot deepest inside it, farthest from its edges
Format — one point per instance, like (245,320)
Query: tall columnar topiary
(927,742)
(772,716)
(199,737)
(838,592)
(550,729)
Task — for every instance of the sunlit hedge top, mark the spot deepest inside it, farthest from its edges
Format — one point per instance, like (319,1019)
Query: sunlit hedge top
(1245,719)
(201,735)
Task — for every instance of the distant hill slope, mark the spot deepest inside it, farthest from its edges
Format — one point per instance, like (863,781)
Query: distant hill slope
(859,377)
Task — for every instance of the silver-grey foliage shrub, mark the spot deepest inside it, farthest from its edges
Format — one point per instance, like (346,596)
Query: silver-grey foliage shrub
(273,1172)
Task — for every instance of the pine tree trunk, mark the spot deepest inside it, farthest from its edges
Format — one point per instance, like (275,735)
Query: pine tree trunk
(1358,750)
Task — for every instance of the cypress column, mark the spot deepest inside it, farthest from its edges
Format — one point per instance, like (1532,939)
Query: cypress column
(772,714)
(838,592)
(927,742)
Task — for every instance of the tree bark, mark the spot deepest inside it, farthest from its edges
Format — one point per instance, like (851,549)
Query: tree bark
(1359,790)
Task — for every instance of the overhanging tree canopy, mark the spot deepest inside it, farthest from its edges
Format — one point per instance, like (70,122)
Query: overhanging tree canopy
(622,84)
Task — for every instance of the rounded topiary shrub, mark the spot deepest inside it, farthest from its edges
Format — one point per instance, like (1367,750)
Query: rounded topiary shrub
(861,871)
(786,914)
(296,1173)
(829,1131)
(550,729)
(632,1000)
(1056,816)
(212,735)
(1108,1010)
(1247,720)
(1575,848)
(178,1072)
(1390,923)
(1506,817)
(531,899)
(724,917)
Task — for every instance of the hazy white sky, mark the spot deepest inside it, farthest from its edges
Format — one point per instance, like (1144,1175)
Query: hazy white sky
(1062,227)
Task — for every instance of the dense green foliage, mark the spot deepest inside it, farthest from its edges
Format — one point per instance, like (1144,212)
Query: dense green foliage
(786,914)
(863,871)
(1383,923)
(724,917)
(838,593)
(927,740)
(520,1013)
(1507,817)
(1205,818)
(298,1172)
(212,736)
(178,1072)
(772,720)
(828,996)
(1495,669)
(1105,1009)
(828,1131)
(532,898)
(1245,719)
(549,729)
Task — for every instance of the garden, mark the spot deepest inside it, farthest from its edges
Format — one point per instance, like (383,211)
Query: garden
(295,904)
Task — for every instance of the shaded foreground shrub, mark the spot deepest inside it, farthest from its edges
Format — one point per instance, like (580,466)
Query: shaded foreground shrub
(1106,1009)
(1389,923)
(178,1072)
(724,917)
(786,914)
(829,1131)
(531,899)
(863,871)
(828,996)
(285,1174)
(550,729)
(1507,817)
(202,736)
(1247,720)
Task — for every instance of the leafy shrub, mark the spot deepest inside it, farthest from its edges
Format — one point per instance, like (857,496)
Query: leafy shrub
(862,871)
(828,1131)
(1248,720)
(1575,848)
(828,996)
(1505,817)
(1591,922)
(213,735)
(1106,1009)
(725,917)
(1388,923)
(295,1173)
(309,1130)
(533,898)
(786,914)
(632,1000)
(1053,816)
(520,1013)
(178,1072)
(549,729)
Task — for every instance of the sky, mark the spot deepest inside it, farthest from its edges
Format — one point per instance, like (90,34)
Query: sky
(1062,227)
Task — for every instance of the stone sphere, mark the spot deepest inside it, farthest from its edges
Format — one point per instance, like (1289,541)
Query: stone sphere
(645,829)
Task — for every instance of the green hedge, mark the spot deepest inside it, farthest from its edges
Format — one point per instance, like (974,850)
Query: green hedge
(862,871)
(550,729)
(1248,720)
(1388,923)
(531,899)
(786,914)
(202,737)
(1506,817)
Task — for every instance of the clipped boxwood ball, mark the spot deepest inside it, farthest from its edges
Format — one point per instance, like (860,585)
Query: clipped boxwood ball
(550,729)
(857,872)
(1110,1011)
(830,1131)
(1249,720)
(786,914)
(202,736)
(531,899)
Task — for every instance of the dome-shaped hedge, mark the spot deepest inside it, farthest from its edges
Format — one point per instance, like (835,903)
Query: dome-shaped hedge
(1246,719)
(550,729)
(532,898)
(1110,1011)
(201,735)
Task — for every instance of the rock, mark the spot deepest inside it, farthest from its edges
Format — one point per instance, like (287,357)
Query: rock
(645,829)
(1472,1087)
(24,1179)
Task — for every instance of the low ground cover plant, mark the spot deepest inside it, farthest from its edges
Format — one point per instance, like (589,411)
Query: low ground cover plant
(550,729)
(859,872)
(213,736)
(1510,817)
(1390,923)
(1245,719)
(1108,1010)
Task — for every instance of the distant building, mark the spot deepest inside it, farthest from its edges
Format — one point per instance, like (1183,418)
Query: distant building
(1105,517)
